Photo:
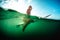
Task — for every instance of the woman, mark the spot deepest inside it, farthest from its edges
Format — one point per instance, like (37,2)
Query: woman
(26,18)
(27,21)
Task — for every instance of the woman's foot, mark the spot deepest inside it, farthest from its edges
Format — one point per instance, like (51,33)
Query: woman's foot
(19,25)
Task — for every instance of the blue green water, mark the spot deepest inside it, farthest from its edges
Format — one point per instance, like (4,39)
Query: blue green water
(8,25)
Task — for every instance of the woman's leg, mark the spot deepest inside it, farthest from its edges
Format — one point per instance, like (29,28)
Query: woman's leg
(26,23)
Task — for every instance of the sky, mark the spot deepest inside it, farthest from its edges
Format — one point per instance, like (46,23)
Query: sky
(41,8)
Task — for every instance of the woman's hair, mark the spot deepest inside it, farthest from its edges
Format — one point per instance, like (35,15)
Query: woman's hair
(30,6)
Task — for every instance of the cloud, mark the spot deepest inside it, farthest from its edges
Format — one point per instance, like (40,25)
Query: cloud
(29,1)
